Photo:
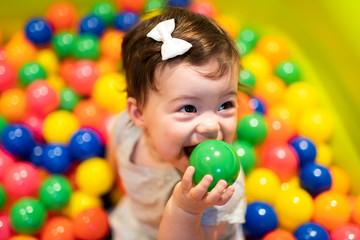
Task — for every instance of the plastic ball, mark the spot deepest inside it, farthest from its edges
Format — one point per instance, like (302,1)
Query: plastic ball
(346,232)
(42,98)
(315,179)
(68,99)
(110,89)
(179,3)
(257,64)
(332,209)
(2,196)
(56,158)
(85,143)
(257,105)
(92,24)
(247,40)
(48,59)
(56,81)
(27,216)
(203,7)
(285,113)
(6,160)
(105,11)
(38,31)
(279,131)
(107,65)
(274,48)
(356,211)
(216,158)
(86,46)
(58,228)
(35,125)
(324,154)
(263,185)
(301,95)
(80,201)
(243,108)
(55,192)
(30,72)
(289,72)
(260,219)
(3,124)
(36,155)
(62,16)
(247,80)
(5,228)
(110,44)
(89,113)
(83,77)
(22,179)
(252,128)
(279,234)
(23,237)
(17,140)
(294,207)
(281,159)
(271,88)
(133,5)
(246,153)
(59,126)
(95,176)
(305,149)
(2,54)
(229,23)
(63,44)
(91,223)
(311,231)
(13,105)
(340,180)
(7,77)
(125,20)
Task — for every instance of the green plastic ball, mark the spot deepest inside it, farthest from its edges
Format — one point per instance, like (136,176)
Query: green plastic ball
(68,99)
(246,153)
(27,216)
(216,158)
(152,5)
(30,72)
(63,44)
(3,124)
(252,128)
(55,192)
(289,72)
(86,46)
(2,196)
(246,41)
(104,10)
(247,81)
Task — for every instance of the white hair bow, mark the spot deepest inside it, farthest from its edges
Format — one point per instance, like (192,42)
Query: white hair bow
(171,47)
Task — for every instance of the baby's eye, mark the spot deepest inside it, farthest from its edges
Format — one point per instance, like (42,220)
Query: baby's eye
(188,109)
(226,105)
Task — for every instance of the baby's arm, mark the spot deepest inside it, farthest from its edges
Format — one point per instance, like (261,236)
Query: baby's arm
(183,212)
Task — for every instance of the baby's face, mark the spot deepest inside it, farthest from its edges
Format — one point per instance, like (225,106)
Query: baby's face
(187,110)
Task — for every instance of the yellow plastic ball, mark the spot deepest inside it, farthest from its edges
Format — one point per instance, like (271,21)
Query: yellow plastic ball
(293,182)
(80,201)
(48,59)
(262,184)
(294,207)
(258,65)
(324,154)
(274,48)
(271,89)
(56,82)
(59,126)
(95,176)
(229,23)
(301,95)
(283,112)
(109,92)
(317,124)
(340,180)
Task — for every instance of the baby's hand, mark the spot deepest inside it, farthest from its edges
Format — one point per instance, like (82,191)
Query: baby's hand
(195,198)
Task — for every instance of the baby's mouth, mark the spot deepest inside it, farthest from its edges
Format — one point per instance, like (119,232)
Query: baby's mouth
(188,150)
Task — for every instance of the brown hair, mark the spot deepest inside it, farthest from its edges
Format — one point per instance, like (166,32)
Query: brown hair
(141,55)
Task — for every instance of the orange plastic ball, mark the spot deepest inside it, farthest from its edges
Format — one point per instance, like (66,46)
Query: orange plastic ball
(243,107)
(279,234)
(285,113)
(23,237)
(91,223)
(134,5)
(356,211)
(107,65)
(340,180)
(271,88)
(279,131)
(19,51)
(274,48)
(110,44)
(332,209)
(62,16)
(58,228)
(89,113)
(13,106)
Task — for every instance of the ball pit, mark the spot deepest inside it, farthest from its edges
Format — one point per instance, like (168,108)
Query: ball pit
(74,57)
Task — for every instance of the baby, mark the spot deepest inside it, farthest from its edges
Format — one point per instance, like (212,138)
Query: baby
(182,76)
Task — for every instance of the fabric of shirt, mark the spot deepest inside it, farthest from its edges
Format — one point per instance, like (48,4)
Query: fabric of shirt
(138,214)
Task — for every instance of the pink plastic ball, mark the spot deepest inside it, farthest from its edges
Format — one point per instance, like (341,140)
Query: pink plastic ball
(83,77)
(5,229)
(35,123)
(7,77)
(203,7)
(281,159)
(42,98)
(346,232)
(22,179)
(6,160)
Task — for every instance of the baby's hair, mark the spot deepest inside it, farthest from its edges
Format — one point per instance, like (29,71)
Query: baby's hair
(141,55)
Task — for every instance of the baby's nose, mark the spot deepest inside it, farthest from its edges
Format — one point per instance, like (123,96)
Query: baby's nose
(208,126)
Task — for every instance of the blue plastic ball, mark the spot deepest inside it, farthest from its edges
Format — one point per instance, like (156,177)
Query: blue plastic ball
(179,3)
(305,149)
(38,31)
(260,219)
(311,231)
(56,158)
(18,140)
(315,179)
(257,105)
(92,24)
(36,155)
(125,20)
(84,144)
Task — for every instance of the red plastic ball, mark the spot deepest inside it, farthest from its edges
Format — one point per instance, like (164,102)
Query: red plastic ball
(133,5)
(7,77)
(6,160)
(42,98)
(35,123)
(58,228)
(91,223)
(22,179)
(83,77)
(203,7)
(5,228)
(281,159)
(66,68)
(62,16)
(346,232)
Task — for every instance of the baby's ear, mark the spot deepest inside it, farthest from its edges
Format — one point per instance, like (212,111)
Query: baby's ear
(135,113)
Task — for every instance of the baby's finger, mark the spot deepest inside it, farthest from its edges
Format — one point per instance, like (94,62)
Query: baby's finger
(217,192)
(198,192)
(186,181)
(226,196)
